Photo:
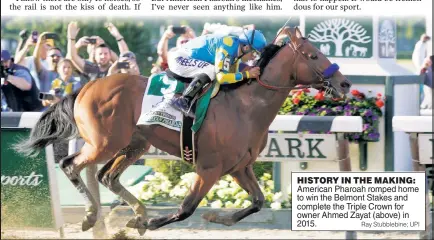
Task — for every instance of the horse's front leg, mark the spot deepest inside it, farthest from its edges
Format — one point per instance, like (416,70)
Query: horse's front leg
(247,180)
(203,182)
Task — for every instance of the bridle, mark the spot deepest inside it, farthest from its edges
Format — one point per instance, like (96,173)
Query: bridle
(323,76)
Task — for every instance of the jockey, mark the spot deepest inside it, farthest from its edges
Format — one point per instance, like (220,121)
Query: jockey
(212,56)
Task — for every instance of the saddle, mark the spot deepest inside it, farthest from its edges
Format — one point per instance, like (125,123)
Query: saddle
(188,151)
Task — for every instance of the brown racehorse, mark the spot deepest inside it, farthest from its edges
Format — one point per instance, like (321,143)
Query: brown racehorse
(105,114)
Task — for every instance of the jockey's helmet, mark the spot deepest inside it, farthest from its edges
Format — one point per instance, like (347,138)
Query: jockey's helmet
(254,38)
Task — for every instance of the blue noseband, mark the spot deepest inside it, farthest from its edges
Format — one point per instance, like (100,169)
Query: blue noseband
(332,69)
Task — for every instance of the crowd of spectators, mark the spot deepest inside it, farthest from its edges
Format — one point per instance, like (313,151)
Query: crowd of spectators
(32,81)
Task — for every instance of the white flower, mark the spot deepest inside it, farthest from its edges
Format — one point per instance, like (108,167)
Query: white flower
(149,177)
(234,185)
(238,203)
(270,184)
(221,193)
(277,197)
(204,202)
(242,195)
(210,194)
(158,174)
(189,176)
(188,179)
(165,186)
(266,177)
(229,178)
(229,204)
(223,184)
(269,196)
(178,191)
(217,204)
(233,191)
(276,205)
(147,195)
(246,203)
(156,187)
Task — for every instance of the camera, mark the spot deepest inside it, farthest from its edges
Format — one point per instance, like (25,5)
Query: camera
(91,40)
(46,96)
(35,36)
(124,65)
(51,36)
(24,34)
(179,30)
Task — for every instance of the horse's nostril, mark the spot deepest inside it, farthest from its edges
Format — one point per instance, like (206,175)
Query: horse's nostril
(345,84)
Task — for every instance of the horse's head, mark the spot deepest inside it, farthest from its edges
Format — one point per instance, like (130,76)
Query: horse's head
(312,68)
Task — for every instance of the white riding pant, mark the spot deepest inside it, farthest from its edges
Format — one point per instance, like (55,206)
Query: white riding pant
(183,65)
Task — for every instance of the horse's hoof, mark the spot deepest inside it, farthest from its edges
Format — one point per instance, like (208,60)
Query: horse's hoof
(210,216)
(88,223)
(152,223)
(228,222)
(141,231)
(137,222)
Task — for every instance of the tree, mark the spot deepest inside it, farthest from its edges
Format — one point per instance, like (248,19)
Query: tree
(339,31)
(387,36)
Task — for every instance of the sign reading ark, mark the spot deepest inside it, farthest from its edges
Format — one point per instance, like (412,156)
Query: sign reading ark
(300,147)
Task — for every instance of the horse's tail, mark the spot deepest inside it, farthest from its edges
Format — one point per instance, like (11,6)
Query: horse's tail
(55,124)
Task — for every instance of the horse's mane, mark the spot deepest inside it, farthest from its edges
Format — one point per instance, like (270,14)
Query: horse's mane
(267,54)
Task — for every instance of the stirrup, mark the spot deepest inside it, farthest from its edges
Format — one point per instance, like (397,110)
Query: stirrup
(189,112)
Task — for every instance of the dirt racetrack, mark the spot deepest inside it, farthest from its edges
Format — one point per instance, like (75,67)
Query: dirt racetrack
(73,231)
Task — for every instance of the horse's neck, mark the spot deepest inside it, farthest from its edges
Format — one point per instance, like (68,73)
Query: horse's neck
(265,103)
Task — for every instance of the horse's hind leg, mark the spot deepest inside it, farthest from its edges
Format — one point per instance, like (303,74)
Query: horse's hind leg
(109,176)
(205,179)
(247,180)
(72,165)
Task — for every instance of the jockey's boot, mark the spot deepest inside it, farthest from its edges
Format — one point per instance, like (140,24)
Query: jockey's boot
(183,103)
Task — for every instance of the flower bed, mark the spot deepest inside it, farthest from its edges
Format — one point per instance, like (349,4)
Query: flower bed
(368,107)
(226,193)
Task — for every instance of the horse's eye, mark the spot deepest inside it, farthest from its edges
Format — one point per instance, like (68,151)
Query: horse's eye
(313,56)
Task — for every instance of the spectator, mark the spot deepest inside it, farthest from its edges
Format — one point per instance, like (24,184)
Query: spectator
(162,50)
(90,43)
(24,35)
(185,37)
(19,87)
(46,74)
(64,84)
(427,87)
(29,61)
(420,51)
(126,64)
(163,46)
(101,52)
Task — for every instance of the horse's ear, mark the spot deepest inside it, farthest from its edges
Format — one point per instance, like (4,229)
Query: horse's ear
(298,32)
(293,35)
